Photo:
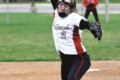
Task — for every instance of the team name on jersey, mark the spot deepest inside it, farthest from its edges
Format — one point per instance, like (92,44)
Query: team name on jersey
(58,27)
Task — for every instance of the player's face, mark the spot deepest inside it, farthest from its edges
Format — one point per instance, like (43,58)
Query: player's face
(63,8)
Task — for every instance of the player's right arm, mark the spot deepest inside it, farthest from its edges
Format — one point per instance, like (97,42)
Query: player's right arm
(54,2)
(94,27)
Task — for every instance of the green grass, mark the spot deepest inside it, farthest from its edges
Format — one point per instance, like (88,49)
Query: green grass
(109,47)
(28,37)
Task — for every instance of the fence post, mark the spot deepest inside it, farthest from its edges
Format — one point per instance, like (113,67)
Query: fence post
(106,10)
(7,11)
(82,7)
(33,8)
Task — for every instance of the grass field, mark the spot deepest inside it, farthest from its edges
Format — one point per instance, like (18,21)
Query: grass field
(28,37)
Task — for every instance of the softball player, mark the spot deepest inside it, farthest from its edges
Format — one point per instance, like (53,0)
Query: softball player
(90,6)
(67,37)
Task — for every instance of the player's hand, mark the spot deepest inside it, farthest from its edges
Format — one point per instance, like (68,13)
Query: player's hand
(89,5)
(95,29)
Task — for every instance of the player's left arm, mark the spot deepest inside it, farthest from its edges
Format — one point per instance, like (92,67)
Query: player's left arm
(94,27)
(54,3)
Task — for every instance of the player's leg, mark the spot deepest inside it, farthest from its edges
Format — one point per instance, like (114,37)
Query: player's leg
(79,68)
(87,12)
(95,15)
(64,71)
(65,66)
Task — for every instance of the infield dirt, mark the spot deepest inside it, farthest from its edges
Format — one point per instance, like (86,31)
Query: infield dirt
(50,70)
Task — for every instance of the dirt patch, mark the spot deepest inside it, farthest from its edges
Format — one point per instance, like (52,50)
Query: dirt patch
(50,70)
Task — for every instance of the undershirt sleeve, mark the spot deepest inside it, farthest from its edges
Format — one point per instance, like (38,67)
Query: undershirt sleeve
(84,24)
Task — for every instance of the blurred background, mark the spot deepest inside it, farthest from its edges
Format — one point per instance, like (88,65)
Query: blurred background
(39,0)
(44,6)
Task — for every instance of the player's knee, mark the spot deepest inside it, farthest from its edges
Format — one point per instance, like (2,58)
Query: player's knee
(73,77)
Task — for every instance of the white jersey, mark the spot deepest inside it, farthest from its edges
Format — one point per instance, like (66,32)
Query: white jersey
(66,34)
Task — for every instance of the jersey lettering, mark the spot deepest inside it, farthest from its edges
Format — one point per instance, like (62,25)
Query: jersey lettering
(58,27)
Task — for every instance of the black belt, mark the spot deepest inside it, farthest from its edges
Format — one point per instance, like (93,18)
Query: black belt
(67,56)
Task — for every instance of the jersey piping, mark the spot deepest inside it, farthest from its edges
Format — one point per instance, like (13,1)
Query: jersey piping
(77,40)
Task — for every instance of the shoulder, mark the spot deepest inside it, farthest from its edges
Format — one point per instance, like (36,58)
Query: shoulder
(76,16)
(56,11)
